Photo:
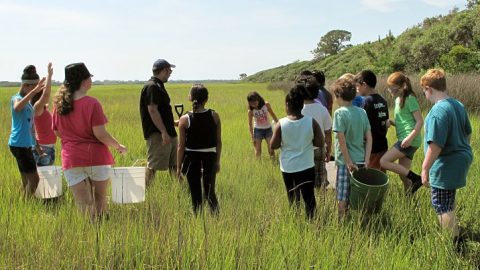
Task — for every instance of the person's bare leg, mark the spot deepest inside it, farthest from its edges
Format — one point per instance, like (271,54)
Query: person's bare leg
(342,210)
(271,153)
(448,221)
(388,162)
(99,189)
(258,148)
(24,184)
(30,183)
(149,176)
(82,194)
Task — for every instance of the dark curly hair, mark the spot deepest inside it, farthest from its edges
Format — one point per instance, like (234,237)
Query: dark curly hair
(294,99)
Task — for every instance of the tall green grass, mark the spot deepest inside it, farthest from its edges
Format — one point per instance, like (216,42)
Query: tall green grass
(255,228)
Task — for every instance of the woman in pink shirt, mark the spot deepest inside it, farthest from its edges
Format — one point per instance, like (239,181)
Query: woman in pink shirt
(45,151)
(79,121)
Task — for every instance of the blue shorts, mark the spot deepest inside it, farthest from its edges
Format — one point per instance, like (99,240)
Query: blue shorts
(408,152)
(443,200)
(343,183)
(262,133)
(47,159)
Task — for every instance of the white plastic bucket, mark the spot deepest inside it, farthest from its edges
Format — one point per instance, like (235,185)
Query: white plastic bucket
(128,184)
(331,174)
(50,184)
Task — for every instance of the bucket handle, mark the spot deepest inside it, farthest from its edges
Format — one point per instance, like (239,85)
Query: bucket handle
(360,166)
(137,161)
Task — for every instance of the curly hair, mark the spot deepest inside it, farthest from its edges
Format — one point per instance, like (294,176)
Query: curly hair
(63,99)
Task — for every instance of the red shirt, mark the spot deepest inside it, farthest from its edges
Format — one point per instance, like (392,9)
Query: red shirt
(80,147)
(43,128)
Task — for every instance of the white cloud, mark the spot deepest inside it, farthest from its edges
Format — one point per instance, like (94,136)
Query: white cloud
(382,5)
(440,3)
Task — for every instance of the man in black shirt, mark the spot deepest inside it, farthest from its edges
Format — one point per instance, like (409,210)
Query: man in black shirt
(377,112)
(157,122)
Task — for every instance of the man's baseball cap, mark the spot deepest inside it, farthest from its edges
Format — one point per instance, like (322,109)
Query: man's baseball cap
(161,64)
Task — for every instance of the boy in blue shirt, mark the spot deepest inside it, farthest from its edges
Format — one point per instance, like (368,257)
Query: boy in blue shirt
(448,154)
(353,139)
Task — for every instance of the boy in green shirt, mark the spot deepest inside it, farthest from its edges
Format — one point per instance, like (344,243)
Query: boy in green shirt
(353,139)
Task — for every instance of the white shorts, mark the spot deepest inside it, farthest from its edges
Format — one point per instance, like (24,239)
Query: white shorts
(95,173)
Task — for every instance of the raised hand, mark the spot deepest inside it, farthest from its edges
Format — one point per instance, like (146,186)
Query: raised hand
(50,70)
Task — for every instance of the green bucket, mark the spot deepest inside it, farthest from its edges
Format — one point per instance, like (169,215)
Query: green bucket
(367,190)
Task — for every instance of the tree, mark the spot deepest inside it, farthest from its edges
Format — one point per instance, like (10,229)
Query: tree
(332,43)
(460,59)
(242,76)
(472,3)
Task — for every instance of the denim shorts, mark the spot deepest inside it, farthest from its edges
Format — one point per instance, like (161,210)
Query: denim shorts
(262,133)
(408,152)
(47,159)
(443,200)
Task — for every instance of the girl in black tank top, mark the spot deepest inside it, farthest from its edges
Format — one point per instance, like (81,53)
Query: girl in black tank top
(199,149)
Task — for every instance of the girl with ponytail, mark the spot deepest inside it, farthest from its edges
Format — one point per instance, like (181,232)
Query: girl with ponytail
(22,137)
(199,149)
(79,121)
(408,123)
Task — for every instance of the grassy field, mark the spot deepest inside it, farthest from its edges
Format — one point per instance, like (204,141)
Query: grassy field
(255,228)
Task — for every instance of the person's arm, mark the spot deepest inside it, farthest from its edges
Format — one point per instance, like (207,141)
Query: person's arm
(182,127)
(216,117)
(39,106)
(418,127)
(390,122)
(250,123)
(318,139)
(103,136)
(270,111)
(431,155)
(328,141)
(19,104)
(343,148)
(158,122)
(329,102)
(276,140)
(368,147)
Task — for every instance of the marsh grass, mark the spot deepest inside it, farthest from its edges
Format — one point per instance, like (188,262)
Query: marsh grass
(255,229)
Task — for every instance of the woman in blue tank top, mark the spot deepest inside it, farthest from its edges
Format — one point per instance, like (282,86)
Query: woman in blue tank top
(22,137)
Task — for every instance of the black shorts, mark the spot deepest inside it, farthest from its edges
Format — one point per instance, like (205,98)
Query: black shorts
(25,160)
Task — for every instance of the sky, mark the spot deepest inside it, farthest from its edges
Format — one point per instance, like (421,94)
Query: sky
(214,39)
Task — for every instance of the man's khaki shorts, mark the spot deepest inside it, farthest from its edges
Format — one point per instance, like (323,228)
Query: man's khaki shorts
(161,157)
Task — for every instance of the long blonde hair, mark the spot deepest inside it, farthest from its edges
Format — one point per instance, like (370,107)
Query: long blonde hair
(403,82)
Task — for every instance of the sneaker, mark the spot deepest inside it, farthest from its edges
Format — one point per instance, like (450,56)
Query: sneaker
(415,186)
